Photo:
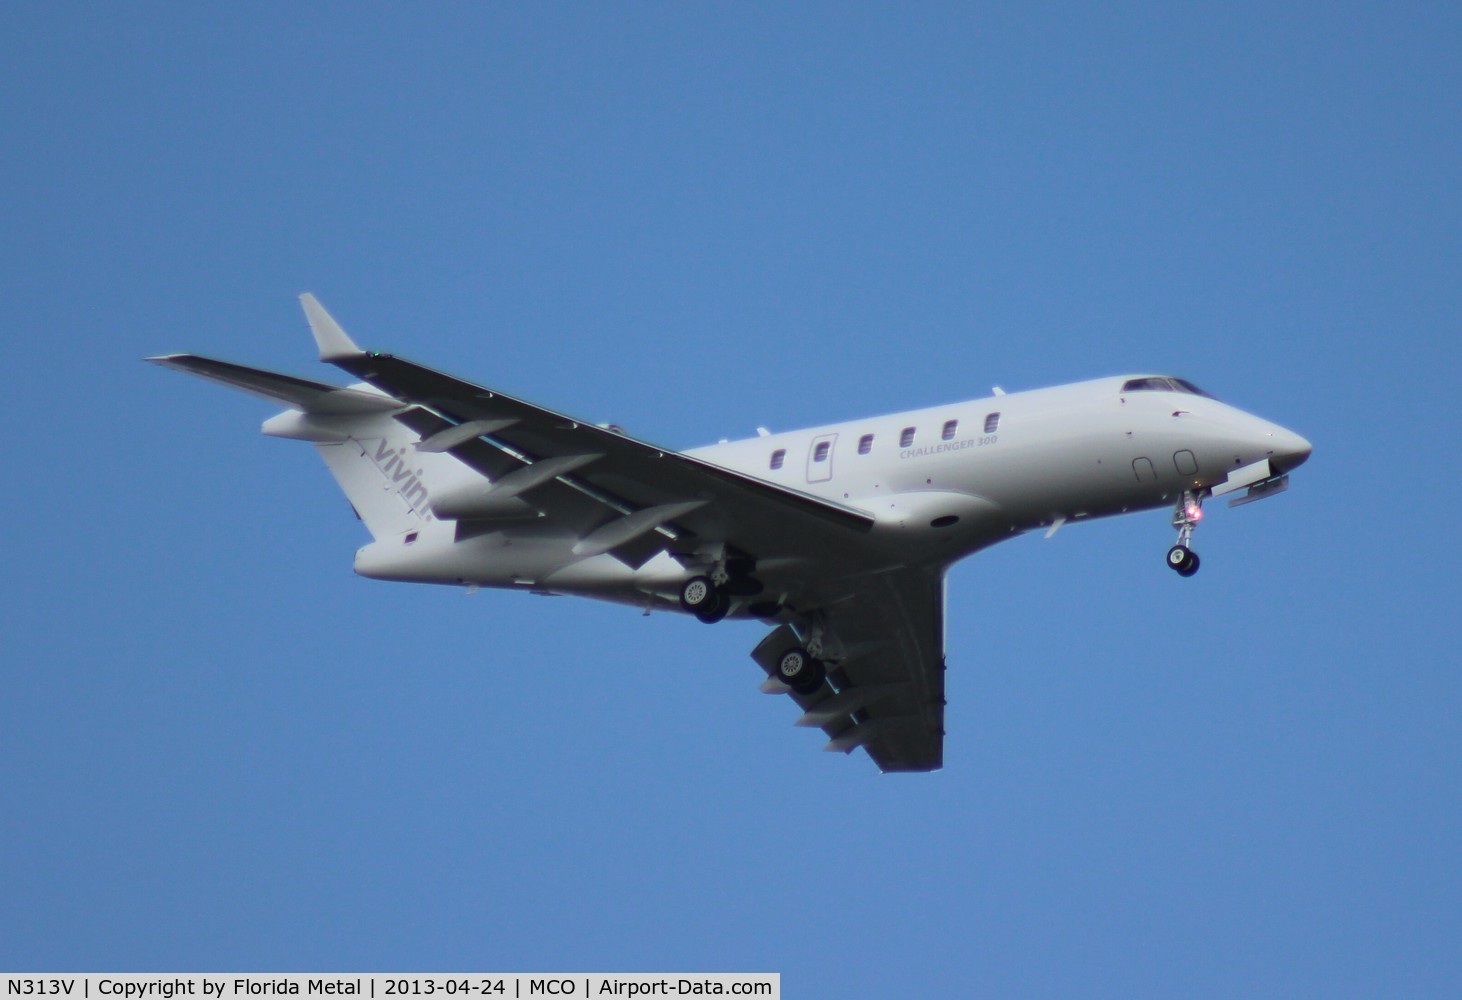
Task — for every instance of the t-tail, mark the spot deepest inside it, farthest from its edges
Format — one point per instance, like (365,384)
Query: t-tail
(374,458)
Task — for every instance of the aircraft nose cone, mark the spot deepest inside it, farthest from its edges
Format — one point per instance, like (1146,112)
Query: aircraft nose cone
(1290,450)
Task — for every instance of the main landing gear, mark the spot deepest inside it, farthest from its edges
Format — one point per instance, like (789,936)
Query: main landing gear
(710,597)
(702,598)
(800,670)
(1187,514)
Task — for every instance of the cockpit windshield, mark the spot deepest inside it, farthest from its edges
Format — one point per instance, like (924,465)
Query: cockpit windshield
(1158,384)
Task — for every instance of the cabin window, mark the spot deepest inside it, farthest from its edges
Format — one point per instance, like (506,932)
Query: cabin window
(992,423)
(777,457)
(819,454)
(865,444)
(906,439)
(950,426)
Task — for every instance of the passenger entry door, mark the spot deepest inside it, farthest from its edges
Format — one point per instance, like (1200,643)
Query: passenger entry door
(820,458)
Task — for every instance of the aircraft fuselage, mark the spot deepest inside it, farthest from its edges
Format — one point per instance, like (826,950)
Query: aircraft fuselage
(941,482)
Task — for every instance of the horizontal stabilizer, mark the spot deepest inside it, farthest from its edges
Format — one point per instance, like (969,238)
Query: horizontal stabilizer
(297,393)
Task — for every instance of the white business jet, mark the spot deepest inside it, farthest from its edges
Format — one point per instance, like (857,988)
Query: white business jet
(839,536)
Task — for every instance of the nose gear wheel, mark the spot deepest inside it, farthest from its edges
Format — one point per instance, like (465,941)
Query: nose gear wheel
(1183,560)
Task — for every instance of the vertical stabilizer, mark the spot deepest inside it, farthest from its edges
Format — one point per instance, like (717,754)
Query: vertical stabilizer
(378,467)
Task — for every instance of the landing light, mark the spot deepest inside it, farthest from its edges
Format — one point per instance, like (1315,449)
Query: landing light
(1194,511)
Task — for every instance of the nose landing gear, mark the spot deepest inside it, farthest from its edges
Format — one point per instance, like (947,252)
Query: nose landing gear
(1183,560)
(1189,511)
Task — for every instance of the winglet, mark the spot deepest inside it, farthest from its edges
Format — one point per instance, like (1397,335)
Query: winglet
(334,344)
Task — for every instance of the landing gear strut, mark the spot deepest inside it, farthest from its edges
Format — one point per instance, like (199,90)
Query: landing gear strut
(1187,514)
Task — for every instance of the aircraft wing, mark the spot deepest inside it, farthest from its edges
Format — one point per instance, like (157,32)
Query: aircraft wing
(622,477)
(885,685)
(879,624)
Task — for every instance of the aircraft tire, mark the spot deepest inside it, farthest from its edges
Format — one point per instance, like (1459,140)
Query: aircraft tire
(697,594)
(716,610)
(800,671)
(1183,560)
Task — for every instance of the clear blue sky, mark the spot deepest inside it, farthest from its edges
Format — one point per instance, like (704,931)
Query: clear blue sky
(221,750)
